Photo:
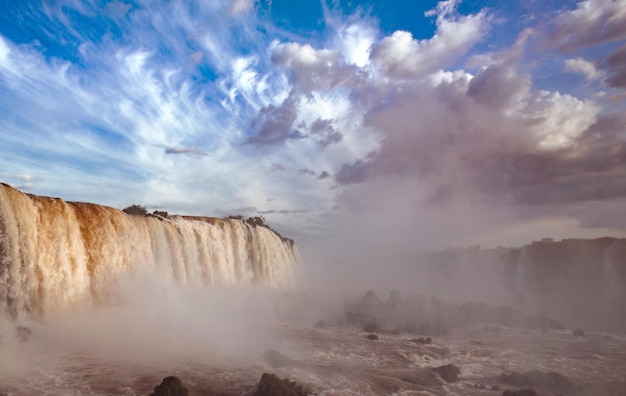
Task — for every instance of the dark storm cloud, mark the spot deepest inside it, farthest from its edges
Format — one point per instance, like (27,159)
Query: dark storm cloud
(493,137)
(497,86)
(357,172)
(275,123)
(616,67)
(324,128)
(331,138)
(321,126)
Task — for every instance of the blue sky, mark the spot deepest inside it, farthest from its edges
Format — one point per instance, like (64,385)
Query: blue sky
(442,123)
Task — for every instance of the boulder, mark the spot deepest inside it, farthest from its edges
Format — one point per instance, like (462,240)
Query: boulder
(320,324)
(579,332)
(449,372)
(271,385)
(372,337)
(170,386)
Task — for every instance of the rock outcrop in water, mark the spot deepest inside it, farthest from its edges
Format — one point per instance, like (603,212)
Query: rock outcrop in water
(55,253)
(271,385)
(170,386)
(449,372)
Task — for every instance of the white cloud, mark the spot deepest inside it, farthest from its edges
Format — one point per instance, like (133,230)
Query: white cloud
(584,67)
(356,42)
(4,52)
(402,56)
(559,120)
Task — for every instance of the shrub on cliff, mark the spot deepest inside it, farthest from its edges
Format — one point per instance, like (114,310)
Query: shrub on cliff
(161,213)
(257,221)
(136,210)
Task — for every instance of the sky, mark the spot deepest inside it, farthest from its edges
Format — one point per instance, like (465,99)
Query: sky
(374,128)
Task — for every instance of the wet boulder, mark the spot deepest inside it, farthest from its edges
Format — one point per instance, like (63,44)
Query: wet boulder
(271,385)
(170,386)
(449,372)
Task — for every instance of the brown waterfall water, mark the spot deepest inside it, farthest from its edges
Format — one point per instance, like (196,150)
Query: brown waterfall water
(55,253)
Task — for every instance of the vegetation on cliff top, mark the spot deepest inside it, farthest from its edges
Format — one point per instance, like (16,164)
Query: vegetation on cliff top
(254,221)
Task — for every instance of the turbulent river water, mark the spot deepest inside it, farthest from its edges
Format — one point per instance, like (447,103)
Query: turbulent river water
(329,361)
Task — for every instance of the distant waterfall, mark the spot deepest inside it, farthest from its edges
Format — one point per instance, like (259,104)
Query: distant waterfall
(55,253)
(581,282)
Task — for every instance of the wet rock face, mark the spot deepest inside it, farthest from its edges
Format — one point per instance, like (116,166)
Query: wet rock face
(271,385)
(449,372)
(170,386)
(551,381)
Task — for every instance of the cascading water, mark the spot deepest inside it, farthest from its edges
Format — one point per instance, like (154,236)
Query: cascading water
(581,282)
(55,253)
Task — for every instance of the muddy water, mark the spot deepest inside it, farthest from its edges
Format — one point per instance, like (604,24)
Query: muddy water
(332,361)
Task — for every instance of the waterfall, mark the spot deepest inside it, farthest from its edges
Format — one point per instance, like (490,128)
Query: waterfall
(55,253)
(581,282)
